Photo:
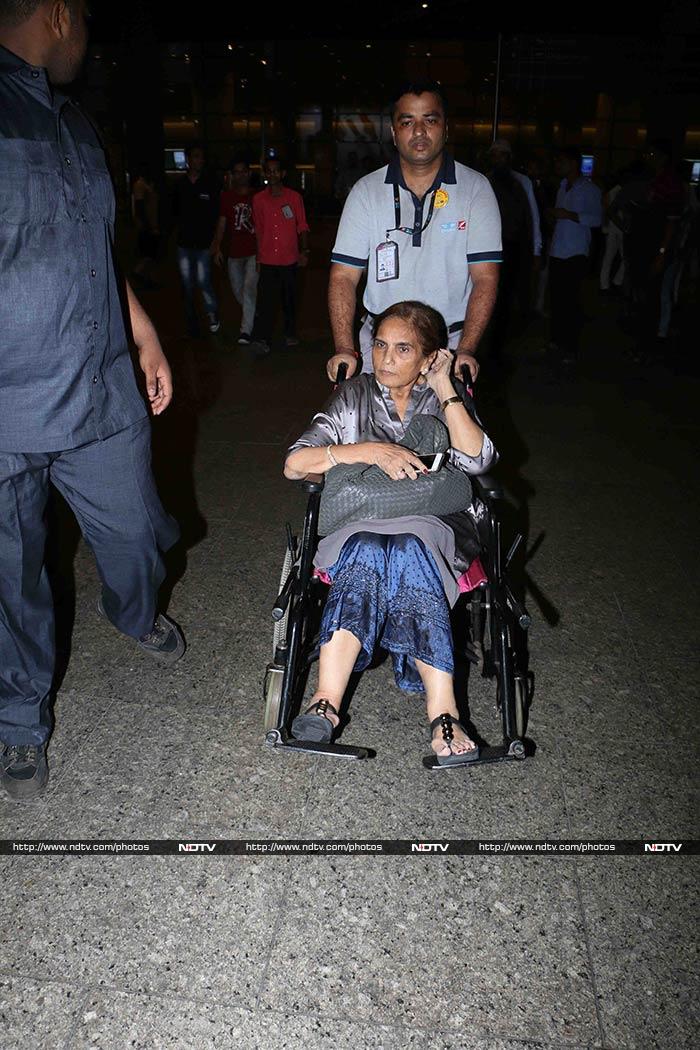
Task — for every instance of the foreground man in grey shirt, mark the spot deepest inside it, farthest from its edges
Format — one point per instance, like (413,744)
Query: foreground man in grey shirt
(70,410)
(422,228)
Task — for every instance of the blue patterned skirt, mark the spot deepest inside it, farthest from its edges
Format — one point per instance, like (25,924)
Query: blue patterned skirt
(387,591)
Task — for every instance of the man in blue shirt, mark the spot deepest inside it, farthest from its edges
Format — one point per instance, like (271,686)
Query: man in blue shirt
(70,410)
(578,208)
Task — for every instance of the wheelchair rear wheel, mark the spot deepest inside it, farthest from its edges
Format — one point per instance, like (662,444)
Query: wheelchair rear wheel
(272,694)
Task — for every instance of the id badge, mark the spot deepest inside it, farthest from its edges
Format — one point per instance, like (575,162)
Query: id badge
(387,261)
(287,211)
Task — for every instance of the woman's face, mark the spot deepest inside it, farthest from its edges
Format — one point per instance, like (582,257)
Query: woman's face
(397,357)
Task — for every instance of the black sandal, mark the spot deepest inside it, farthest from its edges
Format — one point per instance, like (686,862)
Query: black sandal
(446,722)
(315,724)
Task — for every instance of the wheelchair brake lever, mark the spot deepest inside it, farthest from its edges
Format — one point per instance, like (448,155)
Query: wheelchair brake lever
(291,542)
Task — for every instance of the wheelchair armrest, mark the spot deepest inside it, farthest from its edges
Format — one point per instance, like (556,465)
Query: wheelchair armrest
(313,483)
(488,486)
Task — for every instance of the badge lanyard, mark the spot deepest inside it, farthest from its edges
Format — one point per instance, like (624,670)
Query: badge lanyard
(398,228)
(388,252)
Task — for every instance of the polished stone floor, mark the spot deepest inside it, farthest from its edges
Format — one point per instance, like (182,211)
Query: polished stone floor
(458,952)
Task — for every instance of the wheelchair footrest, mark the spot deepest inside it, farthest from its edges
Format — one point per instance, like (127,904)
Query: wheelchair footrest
(516,752)
(312,747)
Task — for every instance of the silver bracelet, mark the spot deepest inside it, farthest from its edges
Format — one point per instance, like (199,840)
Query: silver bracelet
(329,453)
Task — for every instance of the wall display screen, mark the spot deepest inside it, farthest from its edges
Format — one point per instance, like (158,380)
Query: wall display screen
(175,160)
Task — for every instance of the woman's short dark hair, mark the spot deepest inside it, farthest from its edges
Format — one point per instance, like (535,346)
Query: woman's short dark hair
(428,324)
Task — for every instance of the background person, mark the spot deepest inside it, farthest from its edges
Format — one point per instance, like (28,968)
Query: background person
(577,210)
(281,231)
(518,218)
(196,212)
(144,208)
(236,229)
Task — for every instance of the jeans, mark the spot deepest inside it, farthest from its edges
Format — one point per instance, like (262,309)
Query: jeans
(195,269)
(243,275)
(110,489)
(388,590)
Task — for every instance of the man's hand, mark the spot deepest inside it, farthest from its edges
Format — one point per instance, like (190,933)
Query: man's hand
(468,358)
(304,258)
(216,254)
(334,363)
(159,380)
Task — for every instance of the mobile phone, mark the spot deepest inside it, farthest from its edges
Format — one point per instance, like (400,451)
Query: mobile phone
(434,461)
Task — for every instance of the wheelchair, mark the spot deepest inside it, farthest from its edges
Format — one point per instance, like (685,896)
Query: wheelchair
(497,623)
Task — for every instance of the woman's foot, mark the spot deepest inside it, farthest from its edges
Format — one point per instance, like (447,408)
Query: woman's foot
(450,739)
(318,722)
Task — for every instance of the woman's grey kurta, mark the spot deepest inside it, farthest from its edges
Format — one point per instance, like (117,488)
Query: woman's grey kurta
(363,410)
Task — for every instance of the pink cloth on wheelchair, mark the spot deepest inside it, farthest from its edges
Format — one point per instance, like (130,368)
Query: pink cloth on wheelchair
(468,581)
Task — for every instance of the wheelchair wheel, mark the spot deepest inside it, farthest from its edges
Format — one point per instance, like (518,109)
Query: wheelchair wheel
(521,699)
(520,695)
(272,694)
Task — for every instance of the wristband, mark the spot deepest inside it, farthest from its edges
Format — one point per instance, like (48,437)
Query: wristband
(329,453)
(451,401)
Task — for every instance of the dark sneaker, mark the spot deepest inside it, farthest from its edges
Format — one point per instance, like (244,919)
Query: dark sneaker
(25,772)
(291,340)
(214,324)
(244,339)
(165,640)
(261,348)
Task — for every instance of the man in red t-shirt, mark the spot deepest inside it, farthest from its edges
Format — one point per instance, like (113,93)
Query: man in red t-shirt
(281,229)
(236,216)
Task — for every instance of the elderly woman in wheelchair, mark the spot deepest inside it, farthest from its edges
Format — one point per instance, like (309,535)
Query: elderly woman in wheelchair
(393,578)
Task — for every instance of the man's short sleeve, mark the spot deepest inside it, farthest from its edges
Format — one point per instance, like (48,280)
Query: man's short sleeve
(484,227)
(352,245)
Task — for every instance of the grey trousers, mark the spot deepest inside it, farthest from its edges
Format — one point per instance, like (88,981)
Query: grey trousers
(110,488)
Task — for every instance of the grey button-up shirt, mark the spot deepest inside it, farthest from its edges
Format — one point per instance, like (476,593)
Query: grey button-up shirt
(66,376)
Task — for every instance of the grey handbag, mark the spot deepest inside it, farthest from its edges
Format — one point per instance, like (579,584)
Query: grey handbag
(357,492)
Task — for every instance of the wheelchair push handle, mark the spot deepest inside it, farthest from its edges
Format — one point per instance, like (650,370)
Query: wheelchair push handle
(342,374)
(467,380)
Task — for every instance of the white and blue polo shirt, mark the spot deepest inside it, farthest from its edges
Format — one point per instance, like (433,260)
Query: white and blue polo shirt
(434,259)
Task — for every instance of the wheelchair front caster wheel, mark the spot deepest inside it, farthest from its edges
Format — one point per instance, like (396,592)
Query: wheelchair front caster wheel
(517,749)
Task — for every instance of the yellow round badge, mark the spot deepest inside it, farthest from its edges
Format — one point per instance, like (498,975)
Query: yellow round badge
(441,198)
